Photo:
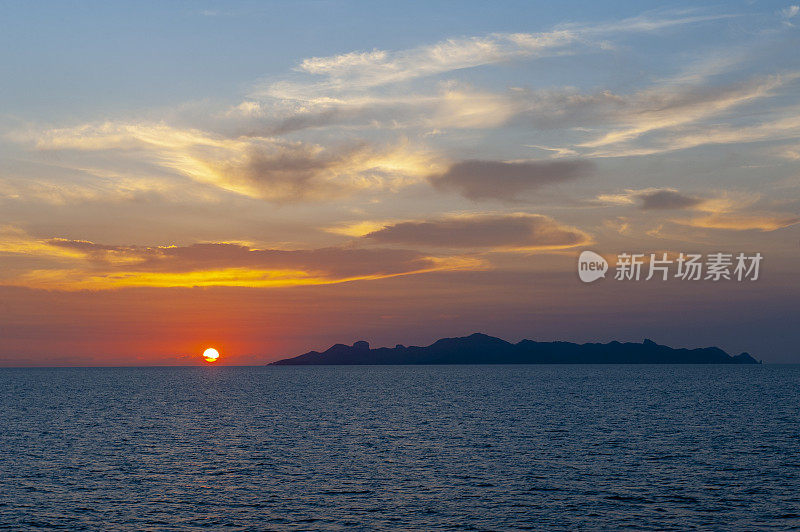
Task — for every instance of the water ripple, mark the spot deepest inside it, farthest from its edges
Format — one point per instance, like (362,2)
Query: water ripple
(400,448)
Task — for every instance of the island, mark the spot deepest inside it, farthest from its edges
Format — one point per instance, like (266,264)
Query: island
(483,349)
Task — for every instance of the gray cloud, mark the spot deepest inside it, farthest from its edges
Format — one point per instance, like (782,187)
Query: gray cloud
(266,125)
(487,231)
(479,180)
(291,173)
(667,199)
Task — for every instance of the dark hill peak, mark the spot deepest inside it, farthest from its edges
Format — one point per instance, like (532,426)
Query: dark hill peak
(479,348)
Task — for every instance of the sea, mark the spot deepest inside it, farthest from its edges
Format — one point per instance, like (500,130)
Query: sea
(527,447)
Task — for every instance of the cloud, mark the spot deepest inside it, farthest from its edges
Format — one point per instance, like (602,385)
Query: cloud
(260,167)
(662,109)
(782,128)
(479,180)
(506,232)
(643,122)
(359,70)
(455,104)
(790,11)
(356,229)
(361,87)
(451,105)
(741,221)
(123,136)
(290,172)
(98,266)
(15,241)
(679,112)
(340,262)
(358,90)
(649,23)
(246,151)
(730,211)
(668,199)
(654,199)
(295,171)
(362,70)
(791,152)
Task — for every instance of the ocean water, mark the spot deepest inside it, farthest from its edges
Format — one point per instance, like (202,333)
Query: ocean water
(401,448)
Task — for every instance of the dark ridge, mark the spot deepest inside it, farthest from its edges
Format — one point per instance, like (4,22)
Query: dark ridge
(483,349)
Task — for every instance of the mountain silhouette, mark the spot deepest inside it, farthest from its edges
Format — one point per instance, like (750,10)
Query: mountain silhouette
(483,349)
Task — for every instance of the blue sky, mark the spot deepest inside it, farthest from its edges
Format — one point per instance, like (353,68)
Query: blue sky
(99,57)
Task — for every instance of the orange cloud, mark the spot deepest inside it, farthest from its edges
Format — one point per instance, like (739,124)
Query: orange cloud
(223,264)
(741,222)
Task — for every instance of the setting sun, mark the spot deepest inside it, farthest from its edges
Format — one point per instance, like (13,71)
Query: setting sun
(210,355)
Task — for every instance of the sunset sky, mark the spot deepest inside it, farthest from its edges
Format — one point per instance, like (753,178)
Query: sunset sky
(269,178)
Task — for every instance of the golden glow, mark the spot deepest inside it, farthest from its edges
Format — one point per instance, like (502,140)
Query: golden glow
(210,355)
(78,279)
(357,229)
(225,163)
(16,241)
(741,222)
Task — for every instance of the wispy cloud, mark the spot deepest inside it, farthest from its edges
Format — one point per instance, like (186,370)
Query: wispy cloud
(695,136)
(354,71)
(361,70)
(788,13)
(669,109)
(642,122)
